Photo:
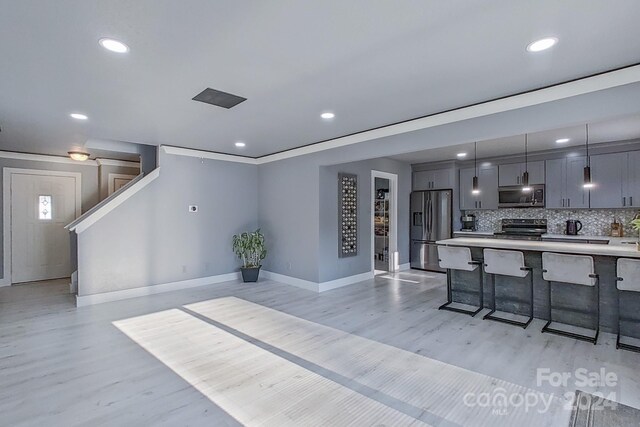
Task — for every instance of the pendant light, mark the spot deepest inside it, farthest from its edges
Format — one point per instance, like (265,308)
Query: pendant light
(475,188)
(587,183)
(525,176)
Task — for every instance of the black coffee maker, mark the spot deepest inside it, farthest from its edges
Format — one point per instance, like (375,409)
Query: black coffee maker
(468,222)
(573,227)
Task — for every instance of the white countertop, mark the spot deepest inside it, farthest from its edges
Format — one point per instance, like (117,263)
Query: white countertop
(615,247)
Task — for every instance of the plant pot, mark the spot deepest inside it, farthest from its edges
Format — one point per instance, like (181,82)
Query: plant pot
(250,274)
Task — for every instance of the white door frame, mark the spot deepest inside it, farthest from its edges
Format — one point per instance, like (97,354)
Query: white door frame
(111,178)
(393,218)
(6,209)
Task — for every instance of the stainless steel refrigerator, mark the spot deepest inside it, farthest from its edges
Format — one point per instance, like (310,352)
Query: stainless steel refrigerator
(431,220)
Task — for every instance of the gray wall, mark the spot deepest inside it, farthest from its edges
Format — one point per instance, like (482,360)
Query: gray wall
(152,238)
(89,182)
(330,265)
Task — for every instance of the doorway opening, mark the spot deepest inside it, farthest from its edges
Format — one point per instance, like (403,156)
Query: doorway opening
(384,246)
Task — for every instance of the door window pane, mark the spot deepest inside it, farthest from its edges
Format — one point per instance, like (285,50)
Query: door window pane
(44,207)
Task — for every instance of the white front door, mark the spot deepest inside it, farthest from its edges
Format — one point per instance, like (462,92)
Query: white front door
(41,206)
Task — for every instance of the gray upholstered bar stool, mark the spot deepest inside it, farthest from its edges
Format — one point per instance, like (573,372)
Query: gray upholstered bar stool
(577,270)
(628,272)
(459,258)
(509,264)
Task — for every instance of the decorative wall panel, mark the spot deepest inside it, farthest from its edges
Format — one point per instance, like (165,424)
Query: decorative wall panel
(347,215)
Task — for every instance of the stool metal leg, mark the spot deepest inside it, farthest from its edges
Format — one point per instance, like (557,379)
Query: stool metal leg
(446,306)
(618,343)
(490,316)
(588,338)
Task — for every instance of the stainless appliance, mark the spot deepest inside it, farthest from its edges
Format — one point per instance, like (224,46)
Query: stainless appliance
(573,227)
(522,229)
(468,222)
(431,220)
(514,197)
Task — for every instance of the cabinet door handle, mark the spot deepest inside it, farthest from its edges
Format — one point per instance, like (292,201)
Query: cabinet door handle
(624,201)
(630,200)
(563,202)
(480,202)
(568,202)
(518,179)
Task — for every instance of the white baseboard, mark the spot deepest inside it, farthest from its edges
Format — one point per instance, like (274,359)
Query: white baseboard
(83,300)
(403,267)
(315,286)
(4,282)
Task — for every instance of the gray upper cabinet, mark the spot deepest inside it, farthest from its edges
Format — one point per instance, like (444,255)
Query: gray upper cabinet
(511,174)
(631,186)
(608,174)
(433,179)
(564,179)
(488,185)
(617,178)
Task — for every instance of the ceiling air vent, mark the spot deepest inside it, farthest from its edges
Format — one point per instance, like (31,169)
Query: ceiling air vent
(218,98)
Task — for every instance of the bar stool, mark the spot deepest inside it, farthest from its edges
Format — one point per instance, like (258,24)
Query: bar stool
(628,280)
(458,258)
(510,264)
(573,269)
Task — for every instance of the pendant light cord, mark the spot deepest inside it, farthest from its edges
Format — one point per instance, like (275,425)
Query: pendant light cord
(526,153)
(475,157)
(587,143)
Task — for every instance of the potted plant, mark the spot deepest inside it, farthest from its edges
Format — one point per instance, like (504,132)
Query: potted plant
(636,226)
(250,248)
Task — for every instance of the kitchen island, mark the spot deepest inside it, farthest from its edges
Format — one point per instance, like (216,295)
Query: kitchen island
(574,301)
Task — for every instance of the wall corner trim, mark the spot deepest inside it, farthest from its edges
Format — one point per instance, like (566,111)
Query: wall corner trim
(84,300)
(100,210)
(315,286)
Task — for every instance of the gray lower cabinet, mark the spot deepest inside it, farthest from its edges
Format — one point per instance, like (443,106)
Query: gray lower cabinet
(512,173)
(488,184)
(438,179)
(616,179)
(564,183)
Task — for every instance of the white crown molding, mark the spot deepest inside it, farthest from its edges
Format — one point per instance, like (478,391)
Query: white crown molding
(121,163)
(100,210)
(84,300)
(44,158)
(189,152)
(553,93)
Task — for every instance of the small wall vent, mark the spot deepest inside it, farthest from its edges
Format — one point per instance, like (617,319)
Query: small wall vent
(218,98)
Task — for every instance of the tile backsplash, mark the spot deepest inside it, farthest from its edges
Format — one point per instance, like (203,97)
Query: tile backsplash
(595,222)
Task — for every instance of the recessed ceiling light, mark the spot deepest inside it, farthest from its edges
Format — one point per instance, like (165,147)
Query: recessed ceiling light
(78,116)
(327,115)
(542,44)
(461,155)
(114,45)
(240,144)
(562,140)
(79,155)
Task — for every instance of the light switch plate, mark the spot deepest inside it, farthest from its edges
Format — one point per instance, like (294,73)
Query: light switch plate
(193,208)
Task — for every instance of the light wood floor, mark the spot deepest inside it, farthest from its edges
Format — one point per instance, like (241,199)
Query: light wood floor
(375,353)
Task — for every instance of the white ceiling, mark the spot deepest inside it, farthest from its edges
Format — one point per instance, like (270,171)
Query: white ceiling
(611,130)
(371,62)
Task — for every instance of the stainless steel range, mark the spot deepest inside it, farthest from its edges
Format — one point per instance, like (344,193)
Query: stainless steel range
(522,229)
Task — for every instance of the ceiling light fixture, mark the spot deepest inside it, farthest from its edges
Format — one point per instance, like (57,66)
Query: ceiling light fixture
(475,187)
(80,156)
(327,116)
(78,116)
(588,183)
(542,44)
(461,155)
(240,144)
(113,45)
(562,140)
(525,175)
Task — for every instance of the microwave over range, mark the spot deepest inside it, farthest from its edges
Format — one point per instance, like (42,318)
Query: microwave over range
(514,197)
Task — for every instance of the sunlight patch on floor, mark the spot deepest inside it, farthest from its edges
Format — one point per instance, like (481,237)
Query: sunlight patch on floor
(405,379)
(253,385)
